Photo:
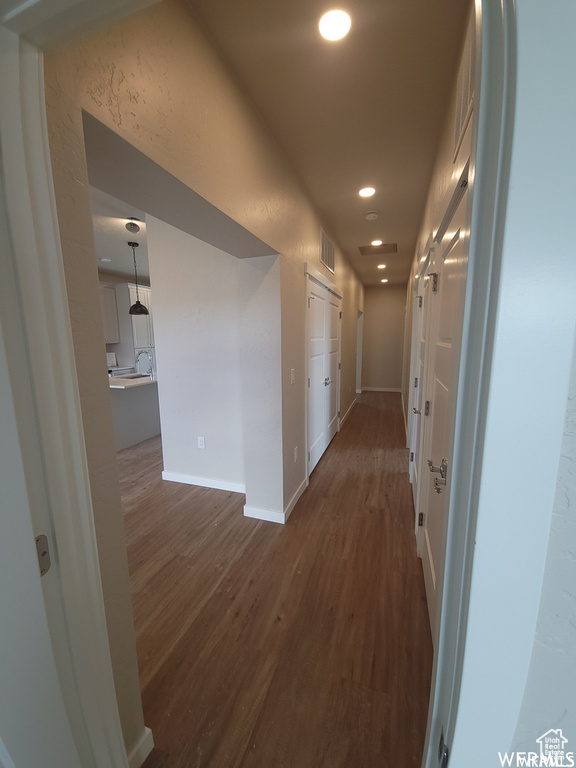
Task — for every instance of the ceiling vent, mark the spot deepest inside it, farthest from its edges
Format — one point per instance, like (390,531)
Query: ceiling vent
(327,252)
(378,250)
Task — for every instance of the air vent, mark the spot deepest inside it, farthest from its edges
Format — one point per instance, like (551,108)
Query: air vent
(465,88)
(327,253)
(378,250)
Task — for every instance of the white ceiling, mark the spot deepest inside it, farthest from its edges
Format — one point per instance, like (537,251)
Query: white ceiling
(364,111)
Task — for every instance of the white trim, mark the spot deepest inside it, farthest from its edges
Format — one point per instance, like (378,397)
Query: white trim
(141,750)
(294,500)
(269,515)
(381,389)
(322,279)
(204,482)
(83,648)
(404,419)
(348,412)
(358,391)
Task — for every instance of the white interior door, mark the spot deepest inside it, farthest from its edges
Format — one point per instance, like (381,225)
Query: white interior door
(444,293)
(323,369)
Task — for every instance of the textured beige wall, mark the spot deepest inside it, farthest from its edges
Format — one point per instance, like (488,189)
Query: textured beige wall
(155,80)
(383,344)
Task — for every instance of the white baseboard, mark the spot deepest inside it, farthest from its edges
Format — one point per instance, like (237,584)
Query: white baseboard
(348,412)
(294,500)
(271,516)
(358,391)
(204,482)
(141,750)
(381,389)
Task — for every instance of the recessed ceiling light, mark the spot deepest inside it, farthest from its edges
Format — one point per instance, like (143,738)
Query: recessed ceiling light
(384,280)
(376,242)
(106,261)
(366,192)
(334,25)
(381,266)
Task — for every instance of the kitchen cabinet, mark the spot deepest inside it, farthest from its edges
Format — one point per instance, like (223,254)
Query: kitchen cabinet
(109,314)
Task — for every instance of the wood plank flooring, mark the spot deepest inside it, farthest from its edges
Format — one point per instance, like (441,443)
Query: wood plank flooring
(297,646)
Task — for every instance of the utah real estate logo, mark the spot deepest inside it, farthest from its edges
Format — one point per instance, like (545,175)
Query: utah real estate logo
(553,753)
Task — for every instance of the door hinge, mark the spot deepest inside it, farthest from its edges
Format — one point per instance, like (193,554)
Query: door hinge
(339,366)
(420,519)
(340,315)
(308,383)
(443,752)
(308,456)
(434,276)
(427,408)
(419,302)
(411,455)
(309,300)
(43,554)
(416,381)
(338,414)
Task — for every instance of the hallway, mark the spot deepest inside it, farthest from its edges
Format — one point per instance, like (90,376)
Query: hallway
(304,645)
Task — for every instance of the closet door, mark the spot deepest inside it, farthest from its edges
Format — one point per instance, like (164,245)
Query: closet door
(323,369)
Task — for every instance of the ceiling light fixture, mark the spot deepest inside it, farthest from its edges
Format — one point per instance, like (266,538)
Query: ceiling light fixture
(372,215)
(132,227)
(106,261)
(381,266)
(138,308)
(384,280)
(334,25)
(376,242)
(366,191)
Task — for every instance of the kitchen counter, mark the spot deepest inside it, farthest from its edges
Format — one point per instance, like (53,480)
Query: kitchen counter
(121,382)
(136,416)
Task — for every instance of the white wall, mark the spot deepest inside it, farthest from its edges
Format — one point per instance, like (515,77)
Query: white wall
(383,347)
(196,304)
(550,694)
(262,391)
(217,325)
(531,344)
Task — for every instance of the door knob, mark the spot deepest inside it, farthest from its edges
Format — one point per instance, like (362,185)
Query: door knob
(442,470)
(439,483)
(416,410)
(327,381)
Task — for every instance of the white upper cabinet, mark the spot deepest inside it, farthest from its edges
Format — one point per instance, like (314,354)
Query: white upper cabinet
(109,314)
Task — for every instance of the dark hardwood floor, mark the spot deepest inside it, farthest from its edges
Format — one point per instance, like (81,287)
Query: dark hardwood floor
(297,646)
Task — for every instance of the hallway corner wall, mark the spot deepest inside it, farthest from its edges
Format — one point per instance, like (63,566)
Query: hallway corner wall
(383,345)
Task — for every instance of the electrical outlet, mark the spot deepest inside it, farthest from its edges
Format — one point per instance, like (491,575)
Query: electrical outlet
(295,454)
(201,443)
(292,375)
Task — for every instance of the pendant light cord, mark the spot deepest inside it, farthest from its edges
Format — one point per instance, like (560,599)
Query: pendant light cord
(135,272)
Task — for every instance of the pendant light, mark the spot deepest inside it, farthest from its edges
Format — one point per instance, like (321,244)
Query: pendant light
(138,308)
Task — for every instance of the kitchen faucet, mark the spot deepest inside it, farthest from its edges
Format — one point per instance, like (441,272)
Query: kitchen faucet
(150,371)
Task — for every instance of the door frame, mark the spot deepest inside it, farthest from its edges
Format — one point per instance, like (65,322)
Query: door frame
(79,636)
(311,272)
(493,126)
